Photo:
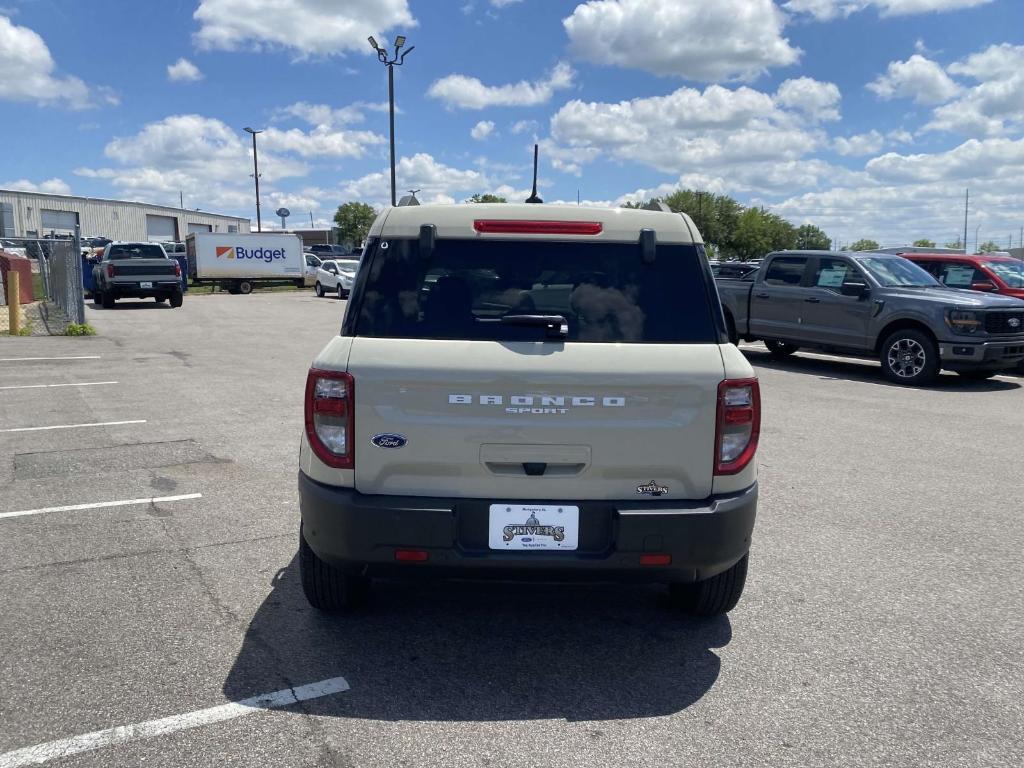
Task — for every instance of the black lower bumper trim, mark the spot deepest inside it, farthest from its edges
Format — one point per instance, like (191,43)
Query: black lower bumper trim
(361,532)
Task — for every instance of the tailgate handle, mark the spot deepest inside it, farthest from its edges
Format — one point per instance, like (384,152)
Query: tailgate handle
(534,468)
(535,460)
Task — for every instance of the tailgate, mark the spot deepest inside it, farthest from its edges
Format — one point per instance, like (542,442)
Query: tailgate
(525,420)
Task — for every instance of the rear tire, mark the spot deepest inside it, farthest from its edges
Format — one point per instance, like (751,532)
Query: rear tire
(341,292)
(910,357)
(97,298)
(319,290)
(327,588)
(176,300)
(711,597)
(245,287)
(108,300)
(781,348)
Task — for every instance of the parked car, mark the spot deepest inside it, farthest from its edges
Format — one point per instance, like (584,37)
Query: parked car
(873,304)
(330,251)
(980,272)
(592,421)
(136,270)
(336,277)
(313,263)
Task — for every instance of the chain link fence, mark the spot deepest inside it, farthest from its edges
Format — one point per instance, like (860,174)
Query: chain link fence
(58,262)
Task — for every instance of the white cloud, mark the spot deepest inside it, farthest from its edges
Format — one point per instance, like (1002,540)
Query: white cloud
(996,105)
(28,72)
(183,71)
(983,161)
(438,182)
(322,141)
(869,143)
(687,130)
(525,126)
(698,41)
(50,186)
(824,10)
(917,78)
(460,91)
(503,3)
(307,27)
(199,155)
(482,130)
(321,114)
(812,97)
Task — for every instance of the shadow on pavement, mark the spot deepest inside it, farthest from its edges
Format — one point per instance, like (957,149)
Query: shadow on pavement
(129,304)
(469,651)
(858,369)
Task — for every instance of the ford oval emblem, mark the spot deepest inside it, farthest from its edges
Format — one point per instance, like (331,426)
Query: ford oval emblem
(389,440)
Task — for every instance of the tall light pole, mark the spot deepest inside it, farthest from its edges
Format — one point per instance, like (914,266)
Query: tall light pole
(391,62)
(256,175)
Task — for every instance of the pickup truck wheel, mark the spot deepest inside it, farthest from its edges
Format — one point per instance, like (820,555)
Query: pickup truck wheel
(176,300)
(714,596)
(97,297)
(910,357)
(327,588)
(319,290)
(781,348)
(107,300)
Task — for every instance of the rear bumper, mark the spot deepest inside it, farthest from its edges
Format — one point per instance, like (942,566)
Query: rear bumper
(995,355)
(134,289)
(361,532)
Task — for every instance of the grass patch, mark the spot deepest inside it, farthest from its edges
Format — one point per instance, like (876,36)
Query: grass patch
(38,288)
(80,329)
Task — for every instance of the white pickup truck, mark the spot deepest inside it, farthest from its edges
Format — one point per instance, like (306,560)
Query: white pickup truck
(530,391)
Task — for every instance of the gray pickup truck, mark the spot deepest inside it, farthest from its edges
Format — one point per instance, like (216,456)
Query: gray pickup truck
(874,305)
(136,270)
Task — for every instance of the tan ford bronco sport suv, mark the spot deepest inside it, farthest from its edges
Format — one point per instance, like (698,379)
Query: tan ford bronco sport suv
(530,391)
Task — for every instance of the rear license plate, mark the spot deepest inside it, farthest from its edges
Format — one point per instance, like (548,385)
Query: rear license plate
(146,285)
(517,526)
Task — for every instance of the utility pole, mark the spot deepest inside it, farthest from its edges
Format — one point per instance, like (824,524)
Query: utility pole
(967,201)
(181,199)
(391,62)
(256,175)
(311,220)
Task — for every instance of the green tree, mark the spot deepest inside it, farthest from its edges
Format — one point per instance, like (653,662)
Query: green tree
(955,244)
(811,238)
(924,242)
(988,246)
(864,245)
(354,220)
(487,198)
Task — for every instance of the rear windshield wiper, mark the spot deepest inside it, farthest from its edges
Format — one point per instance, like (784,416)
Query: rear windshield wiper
(556,326)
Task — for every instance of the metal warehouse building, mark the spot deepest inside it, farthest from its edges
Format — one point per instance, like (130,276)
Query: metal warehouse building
(34,214)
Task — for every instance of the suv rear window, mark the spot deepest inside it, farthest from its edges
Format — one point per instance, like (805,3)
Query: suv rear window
(136,251)
(604,292)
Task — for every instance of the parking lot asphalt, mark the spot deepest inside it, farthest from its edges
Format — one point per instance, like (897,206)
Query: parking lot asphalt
(882,622)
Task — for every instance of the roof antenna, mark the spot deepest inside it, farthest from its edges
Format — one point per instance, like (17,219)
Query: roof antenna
(534,198)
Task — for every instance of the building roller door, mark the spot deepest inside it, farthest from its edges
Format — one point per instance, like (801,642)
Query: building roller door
(161,228)
(193,228)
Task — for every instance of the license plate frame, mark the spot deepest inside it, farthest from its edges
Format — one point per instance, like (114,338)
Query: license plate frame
(533,527)
(146,284)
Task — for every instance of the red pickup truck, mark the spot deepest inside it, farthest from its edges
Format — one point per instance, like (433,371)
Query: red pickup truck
(980,272)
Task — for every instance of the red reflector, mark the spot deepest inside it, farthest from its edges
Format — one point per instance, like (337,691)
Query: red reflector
(739,415)
(412,555)
(658,559)
(509,227)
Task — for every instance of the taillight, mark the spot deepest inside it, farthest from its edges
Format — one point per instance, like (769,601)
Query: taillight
(330,417)
(177,269)
(524,227)
(738,425)
(110,270)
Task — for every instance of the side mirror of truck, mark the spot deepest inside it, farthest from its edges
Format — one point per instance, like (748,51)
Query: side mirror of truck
(857,290)
(983,285)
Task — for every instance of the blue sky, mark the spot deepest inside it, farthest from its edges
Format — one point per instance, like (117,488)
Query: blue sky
(866,117)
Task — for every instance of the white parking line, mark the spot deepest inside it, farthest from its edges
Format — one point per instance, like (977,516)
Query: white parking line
(50,386)
(75,426)
(52,750)
(23,359)
(101,505)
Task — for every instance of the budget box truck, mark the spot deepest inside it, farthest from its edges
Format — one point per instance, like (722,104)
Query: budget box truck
(238,262)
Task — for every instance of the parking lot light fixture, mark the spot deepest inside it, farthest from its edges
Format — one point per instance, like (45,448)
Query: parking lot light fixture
(256,175)
(391,62)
